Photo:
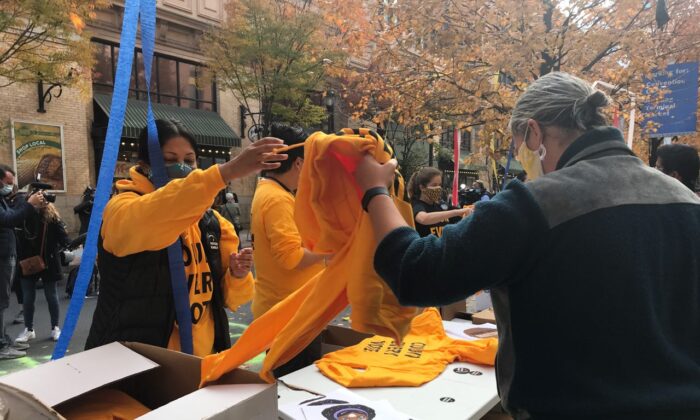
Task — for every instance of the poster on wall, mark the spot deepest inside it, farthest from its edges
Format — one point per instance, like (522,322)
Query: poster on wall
(121,170)
(38,154)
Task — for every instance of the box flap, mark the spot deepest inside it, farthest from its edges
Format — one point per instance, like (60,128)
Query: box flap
(207,402)
(77,374)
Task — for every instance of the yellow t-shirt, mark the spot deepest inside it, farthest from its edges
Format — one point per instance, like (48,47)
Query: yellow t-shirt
(330,219)
(141,218)
(277,245)
(426,350)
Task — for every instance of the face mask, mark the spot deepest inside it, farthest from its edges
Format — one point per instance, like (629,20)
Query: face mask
(178,170)
(433,194)
(531,161)
(6,190)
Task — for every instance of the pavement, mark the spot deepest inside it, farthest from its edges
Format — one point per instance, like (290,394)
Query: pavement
(42,347)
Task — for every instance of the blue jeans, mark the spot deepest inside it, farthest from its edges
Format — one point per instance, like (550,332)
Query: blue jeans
(51,294)
(7,271)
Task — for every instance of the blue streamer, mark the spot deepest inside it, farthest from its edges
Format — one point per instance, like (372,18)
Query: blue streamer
(159,178)
(104,180)
(132,8)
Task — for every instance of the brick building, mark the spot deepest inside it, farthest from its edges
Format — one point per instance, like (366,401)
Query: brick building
(213,115)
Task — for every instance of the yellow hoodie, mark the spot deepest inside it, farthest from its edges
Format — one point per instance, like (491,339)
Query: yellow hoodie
(330,219)
(141,218)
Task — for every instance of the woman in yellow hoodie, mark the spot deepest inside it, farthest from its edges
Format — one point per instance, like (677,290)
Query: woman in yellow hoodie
(140,222)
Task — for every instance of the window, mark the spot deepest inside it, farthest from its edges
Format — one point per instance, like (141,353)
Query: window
(173,81)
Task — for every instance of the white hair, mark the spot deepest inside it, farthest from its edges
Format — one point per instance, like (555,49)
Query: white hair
(562,100)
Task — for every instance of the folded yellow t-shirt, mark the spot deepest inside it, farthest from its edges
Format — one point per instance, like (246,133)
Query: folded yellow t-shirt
(426,350)
(104,404)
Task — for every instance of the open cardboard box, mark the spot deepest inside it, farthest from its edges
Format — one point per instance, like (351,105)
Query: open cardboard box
(163,380)
(335,338)
(453,310)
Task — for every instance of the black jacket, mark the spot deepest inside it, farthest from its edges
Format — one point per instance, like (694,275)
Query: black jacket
(595,279)
(29,240)
(136,297)
(10,218)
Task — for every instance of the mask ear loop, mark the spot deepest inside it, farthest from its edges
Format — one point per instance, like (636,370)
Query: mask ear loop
(542,151)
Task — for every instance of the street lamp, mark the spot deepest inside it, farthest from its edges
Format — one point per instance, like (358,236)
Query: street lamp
(329,101)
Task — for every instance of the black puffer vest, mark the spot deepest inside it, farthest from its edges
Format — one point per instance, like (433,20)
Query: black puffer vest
(136,297)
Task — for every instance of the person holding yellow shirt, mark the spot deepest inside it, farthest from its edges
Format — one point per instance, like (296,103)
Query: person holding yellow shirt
(282,264)
(140,222)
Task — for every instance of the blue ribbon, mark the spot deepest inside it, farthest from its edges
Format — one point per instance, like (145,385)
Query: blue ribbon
(159,178)
(132,8)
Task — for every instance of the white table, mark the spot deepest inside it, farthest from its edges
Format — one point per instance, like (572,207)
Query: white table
(452,395)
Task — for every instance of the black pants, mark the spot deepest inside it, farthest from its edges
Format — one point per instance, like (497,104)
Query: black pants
(307,357)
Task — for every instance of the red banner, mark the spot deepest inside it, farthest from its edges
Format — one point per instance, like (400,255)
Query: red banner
(455,178)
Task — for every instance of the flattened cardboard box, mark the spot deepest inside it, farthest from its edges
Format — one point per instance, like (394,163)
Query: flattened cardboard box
(163,380)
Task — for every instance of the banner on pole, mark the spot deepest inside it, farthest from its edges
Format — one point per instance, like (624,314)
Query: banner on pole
(672,108)
(455,179)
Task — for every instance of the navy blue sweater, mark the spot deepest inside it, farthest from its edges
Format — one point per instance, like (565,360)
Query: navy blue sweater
(594,273)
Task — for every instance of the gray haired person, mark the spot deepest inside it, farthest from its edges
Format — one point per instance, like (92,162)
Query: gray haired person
(593,266)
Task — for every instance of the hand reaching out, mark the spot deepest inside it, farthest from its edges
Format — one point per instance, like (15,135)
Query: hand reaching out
(241,263)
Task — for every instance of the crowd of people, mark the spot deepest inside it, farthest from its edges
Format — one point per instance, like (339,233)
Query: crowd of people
(592,264)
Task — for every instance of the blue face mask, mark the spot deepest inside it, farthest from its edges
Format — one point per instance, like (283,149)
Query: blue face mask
(6,190)
(175,171)
(178,170)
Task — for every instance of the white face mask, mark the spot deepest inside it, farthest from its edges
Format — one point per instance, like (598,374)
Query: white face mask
(531,161)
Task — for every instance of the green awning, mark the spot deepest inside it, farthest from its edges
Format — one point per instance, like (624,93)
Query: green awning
(515,166)
(207,127)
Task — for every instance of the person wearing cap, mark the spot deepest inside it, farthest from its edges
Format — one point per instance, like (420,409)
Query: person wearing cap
(593,266)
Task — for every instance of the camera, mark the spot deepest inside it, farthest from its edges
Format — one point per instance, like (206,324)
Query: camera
(39,186)
(468,197)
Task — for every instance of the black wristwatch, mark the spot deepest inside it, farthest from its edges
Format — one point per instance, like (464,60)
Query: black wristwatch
(371,193)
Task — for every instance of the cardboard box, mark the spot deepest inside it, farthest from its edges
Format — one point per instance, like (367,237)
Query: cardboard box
(335,338)
(479,301)
(483,317)
(163,380)
(453,310)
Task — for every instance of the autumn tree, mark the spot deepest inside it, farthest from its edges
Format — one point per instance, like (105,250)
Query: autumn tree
(445,63)
(43,39)
(272,55)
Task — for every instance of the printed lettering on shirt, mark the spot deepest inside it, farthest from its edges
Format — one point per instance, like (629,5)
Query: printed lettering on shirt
(374,346)
(197,310)
(436,230)
(394,349)
(415,350)
(198,283)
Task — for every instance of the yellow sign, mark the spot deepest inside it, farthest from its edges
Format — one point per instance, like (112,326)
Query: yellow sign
(38,154)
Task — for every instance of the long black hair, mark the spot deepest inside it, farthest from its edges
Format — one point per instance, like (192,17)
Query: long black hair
(167,130)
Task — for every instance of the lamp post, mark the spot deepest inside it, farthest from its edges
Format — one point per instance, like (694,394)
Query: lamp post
(329,101)
(54,91)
